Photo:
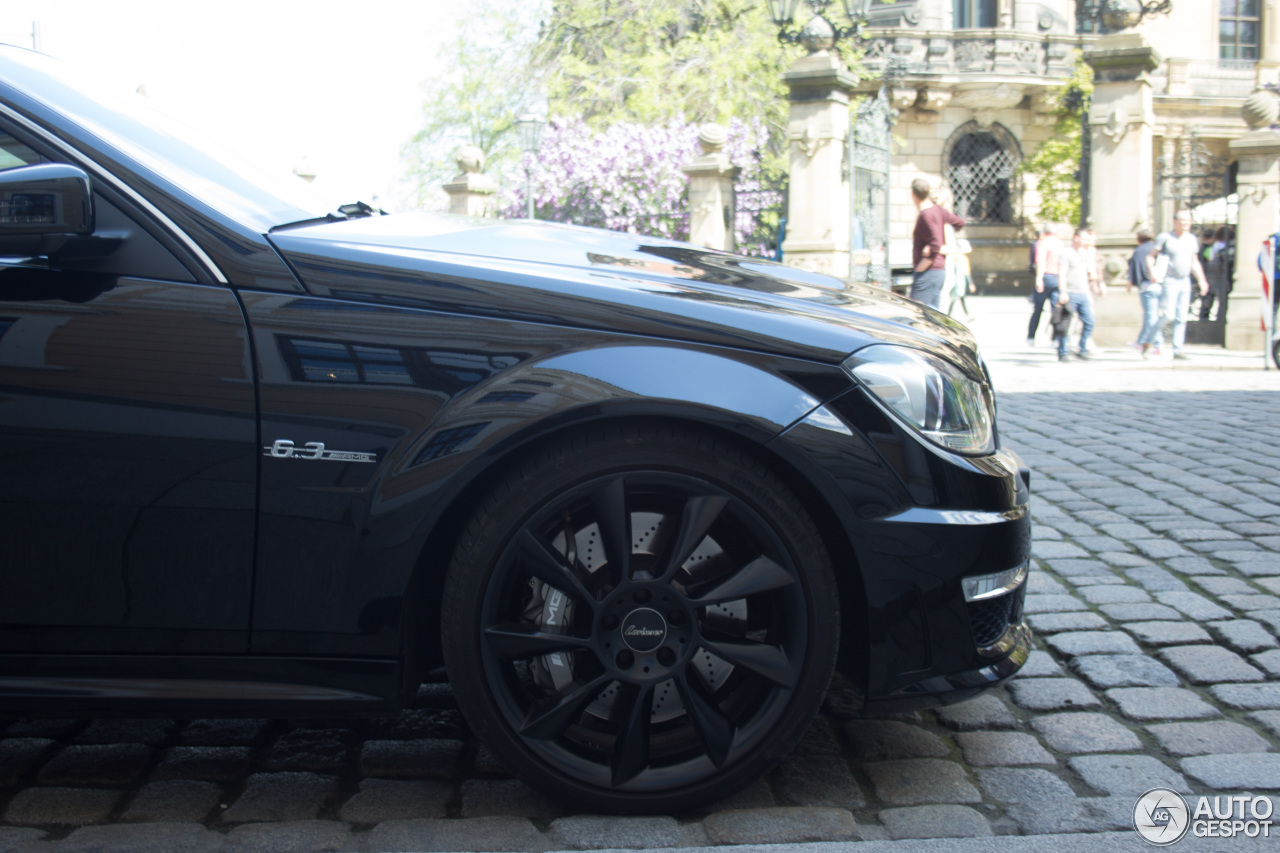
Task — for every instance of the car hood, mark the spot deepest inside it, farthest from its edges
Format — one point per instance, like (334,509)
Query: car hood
(590,278)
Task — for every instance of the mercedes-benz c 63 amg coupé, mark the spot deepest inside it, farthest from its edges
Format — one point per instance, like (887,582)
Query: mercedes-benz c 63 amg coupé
(640,499)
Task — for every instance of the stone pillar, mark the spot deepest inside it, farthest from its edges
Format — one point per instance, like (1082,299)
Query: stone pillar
(818,197)
(711,202)
(470,192)
(1257,156)
(1121,171)
(1268,66)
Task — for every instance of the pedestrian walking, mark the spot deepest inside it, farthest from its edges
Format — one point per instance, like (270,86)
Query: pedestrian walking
(959,282)
(1172,263)
(928,263)
(1077,280)
(1047,251)
(1219,269)
(1149,337)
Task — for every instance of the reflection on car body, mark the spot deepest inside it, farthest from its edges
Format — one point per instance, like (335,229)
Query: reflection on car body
(262,456)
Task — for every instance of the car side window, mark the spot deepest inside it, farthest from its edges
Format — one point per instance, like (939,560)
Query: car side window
(14,153)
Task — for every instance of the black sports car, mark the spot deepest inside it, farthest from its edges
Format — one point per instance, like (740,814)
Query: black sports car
(639,498)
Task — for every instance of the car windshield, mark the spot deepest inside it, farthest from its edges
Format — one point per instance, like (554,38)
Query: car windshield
(225,181)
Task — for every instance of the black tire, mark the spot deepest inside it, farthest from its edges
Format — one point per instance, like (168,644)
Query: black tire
(1275,352)
(661,680)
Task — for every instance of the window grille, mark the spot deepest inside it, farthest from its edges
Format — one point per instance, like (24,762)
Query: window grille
(980,172)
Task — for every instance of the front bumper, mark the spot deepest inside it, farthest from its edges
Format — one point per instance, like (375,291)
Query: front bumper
(918,520)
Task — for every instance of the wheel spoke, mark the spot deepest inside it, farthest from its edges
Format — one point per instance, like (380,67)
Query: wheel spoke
(631,752)
(548,720)
(610,507)
(715,728)
(768,662)
(550,567)
(518,642)
(760,575)
(698,516)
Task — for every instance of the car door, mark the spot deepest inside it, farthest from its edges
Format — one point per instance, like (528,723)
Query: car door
(128,445)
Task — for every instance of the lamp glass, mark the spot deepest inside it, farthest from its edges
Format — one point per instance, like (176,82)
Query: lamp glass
(856,9)
(1121,14)
(783,12)
(529,127)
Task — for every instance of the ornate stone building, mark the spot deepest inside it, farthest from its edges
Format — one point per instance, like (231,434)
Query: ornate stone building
(969,79)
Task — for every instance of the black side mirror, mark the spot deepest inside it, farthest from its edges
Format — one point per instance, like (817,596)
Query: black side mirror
(44,209)
(48,198)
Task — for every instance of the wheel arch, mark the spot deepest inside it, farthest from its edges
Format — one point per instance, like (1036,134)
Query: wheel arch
(424,599)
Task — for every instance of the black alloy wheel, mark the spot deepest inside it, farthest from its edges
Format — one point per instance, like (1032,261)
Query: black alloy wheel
(641,621)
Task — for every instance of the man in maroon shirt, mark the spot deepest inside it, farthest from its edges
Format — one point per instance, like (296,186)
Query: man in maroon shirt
(926,252)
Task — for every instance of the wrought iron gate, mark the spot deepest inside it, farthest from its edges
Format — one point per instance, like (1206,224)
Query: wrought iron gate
(868,163)
(1189,177)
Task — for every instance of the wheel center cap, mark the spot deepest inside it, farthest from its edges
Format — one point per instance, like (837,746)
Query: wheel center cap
(644,629)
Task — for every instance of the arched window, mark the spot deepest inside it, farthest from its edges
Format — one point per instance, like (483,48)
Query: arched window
(980,165)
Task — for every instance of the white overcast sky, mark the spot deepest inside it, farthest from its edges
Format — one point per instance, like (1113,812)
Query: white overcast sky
(279,80)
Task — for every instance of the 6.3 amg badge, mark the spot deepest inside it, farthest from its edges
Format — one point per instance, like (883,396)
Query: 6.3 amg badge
(283,448)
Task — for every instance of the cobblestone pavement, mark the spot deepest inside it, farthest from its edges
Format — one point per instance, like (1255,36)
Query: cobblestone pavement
(1155,598)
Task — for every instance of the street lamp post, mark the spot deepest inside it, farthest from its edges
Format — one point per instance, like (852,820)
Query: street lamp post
(529,127)
(820,32)
(1118,15)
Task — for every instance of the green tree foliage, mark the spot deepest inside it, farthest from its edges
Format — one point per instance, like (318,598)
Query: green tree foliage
(605,62)
(650,61)
(491,80)
(1055,165)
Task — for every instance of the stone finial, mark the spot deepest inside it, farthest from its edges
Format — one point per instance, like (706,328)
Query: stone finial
(1261,109)
(470,160)
(712,138)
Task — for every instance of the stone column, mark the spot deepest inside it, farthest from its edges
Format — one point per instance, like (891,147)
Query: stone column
(711,202)
(1257,156)
(818,197)
(1120,173)
(470,192)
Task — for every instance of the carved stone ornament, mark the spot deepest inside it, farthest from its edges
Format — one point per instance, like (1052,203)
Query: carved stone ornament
(1000,97)
(711,138)
(974,52)
(1028,55)
(1045,21)
(1117,123)
(819,264)
(470,160)
(809,142)
(984,118)
(1261,109)
(934,98)
(875,50)
(902,98)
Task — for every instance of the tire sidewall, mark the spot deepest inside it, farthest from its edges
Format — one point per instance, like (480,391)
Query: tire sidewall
(522,496)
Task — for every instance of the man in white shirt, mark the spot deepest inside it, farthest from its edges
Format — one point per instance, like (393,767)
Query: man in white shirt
(1177,252)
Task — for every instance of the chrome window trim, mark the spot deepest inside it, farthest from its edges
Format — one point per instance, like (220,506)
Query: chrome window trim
(118,185)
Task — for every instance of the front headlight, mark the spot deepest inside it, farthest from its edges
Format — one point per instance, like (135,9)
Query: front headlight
(944,404)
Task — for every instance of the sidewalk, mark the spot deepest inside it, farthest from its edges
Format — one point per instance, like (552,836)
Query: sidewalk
(1000,325)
